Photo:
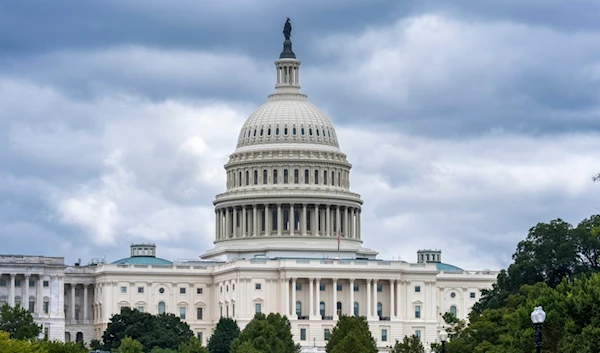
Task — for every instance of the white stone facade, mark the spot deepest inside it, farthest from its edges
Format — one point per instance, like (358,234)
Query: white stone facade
(287,239)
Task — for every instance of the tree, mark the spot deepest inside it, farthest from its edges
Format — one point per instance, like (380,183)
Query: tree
(129,345)
(351,331)
(18,322)
(63,347)
(17,346)
(225,332)
(194,345)
(162,350)
(266,334)
(410,344)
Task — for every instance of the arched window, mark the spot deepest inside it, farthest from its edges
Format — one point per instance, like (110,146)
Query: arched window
(298,309)
(339,179)
(265,177)
(275,176)
(255,177)
(294,131)
(277,131)
(332,178)
(310,131)
(453,310)
(285,131)
(247,178)
(379,309)
(285,176)
(316,129)
(356,307)
(306,176)
(79,337)
(286,219)
(316,177)
(67,336)
(161,308)
(324,177)
(296,176)
(339,308)
(254,132)
(269,131)
(322,308)
(240,178)
(302,131)
(323,132)
(328,133)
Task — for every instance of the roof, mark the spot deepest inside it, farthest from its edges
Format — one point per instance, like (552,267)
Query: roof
(447,267)
(143,260)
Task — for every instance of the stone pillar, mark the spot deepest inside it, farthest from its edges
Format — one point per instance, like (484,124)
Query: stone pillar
(311,295)
(85,302)
(72,301)
(335,316)
(11,290)
(375,298)
(358,223)
(292,220)
(346,223)
(293,313)
(318,297)
(254,220)
(351,297)
(328,221)
(227,224)
(368,299)
(25,300)
(279,220)
(338,221)
(303,222)
(216,224)
(392,310)
(286,296)
(236,230)
(315,223)
(244,221)
(39,296)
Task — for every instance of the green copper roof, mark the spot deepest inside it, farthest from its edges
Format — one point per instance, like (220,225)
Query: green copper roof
(142,260)
(447,267)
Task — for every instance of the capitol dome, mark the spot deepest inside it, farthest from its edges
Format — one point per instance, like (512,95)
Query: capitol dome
(288,183)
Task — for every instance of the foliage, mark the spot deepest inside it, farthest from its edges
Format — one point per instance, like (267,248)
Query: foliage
(351,334)
(162,350)
(18,322)
(17,346)
(193,345)
(63,347)
(225,332)
(129,345)
(163,331)
(410,344)
(551,252)
(266,334)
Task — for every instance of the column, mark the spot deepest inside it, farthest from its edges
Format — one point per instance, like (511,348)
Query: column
(346,223)
(358,225)
(375,298)
(236,230)
(399,298)
(216,224)
(286,296)
(328,220)
(293,313)
(338,221)
(85,302)
(292,220)
(335,316)
(254,220)
(243,221)
(227,224)
(392,311)
(315,223)
(279,219)
(72,301)
(25,300)
(11,290)
(39,296)
(311,293)
(318,297)
(352,223)
(303,223)
(352,297)
(368,299)
(267,221)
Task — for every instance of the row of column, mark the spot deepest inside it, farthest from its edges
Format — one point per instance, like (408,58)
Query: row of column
(39,297)
(72,314)
(290,219)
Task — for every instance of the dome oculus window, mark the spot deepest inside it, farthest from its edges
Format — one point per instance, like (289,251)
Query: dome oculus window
(302,131)
(254,132)
(285,131)
(294,131)
(310,131)
(317,132)
(277,132)
(261,131)
(269,132)
(161,290)
(453,295)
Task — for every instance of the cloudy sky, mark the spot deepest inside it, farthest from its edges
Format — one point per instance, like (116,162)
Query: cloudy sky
(467,122)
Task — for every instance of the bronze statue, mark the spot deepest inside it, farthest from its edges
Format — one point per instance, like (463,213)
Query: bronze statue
(287,29)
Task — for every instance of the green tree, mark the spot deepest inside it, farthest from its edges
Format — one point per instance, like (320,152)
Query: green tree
(63,347)
(9,345)
(266,334)
(225,332)
(162,350)
(410,344)
(351,331)
(194,345)
(18,322)
(129,345)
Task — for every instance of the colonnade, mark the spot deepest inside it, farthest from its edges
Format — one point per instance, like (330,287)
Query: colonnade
(74,313)
(26,289)
(287,219)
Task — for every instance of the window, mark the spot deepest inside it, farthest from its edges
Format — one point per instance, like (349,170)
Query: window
(306,177)
(199,335)
(453,310)
(182,290)
(18,301)
(269,132)
(302,131)
(239,178)
(298,286)
(277,131)
(339,287)
(316,176)
(264,177)
(339,179)
(46,284)
(233,287)
(285,131)
(379,288)
(472,295)
(294,131)
(322,308)
(298,309)
(182,313)
(161,290)
(418,333)
(257,286)
(452,295)
(46,306)
(247,178)
(199,313)
(32,283)
(221,289)
(356,287)
(275,176)
(310,131)
(383,335)
(17,283)
(257,308)
(261,131)
(324,177)
(417,311)
(31,305)
(302,334)
(285,176)
(339,308)
(255,177)
(141,290)
(356,307)
(296,176)
(326,333)
(317,130)
(379,309)
(161,308)
(140,309)
(321,287)
(198,290)
(2,283)
(332,178)
(254,132)
(123,289)
(417,289)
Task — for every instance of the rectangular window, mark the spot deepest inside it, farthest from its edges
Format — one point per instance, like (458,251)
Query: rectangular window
(182,313)
(199,313)
(302,334)
(31,306)
(417,311)
(326,333)
(418,333)
(141,290)
(17,283)
(321,287)
(383,335)
(472,295)
(257,286)
(46,307)
(275,176)
(233,286)
(356,287)
(199,335)
(298,286)
(123,289)
(181,290)
(257,308)
(339,287)
(379,287)
(417,289)
(140,309)
(32,283)
(46,284)
(2,283)
(198,290)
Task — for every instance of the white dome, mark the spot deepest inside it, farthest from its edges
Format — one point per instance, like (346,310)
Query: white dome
(285,121)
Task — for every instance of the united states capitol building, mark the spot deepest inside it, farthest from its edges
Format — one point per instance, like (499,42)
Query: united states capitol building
(287,239)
